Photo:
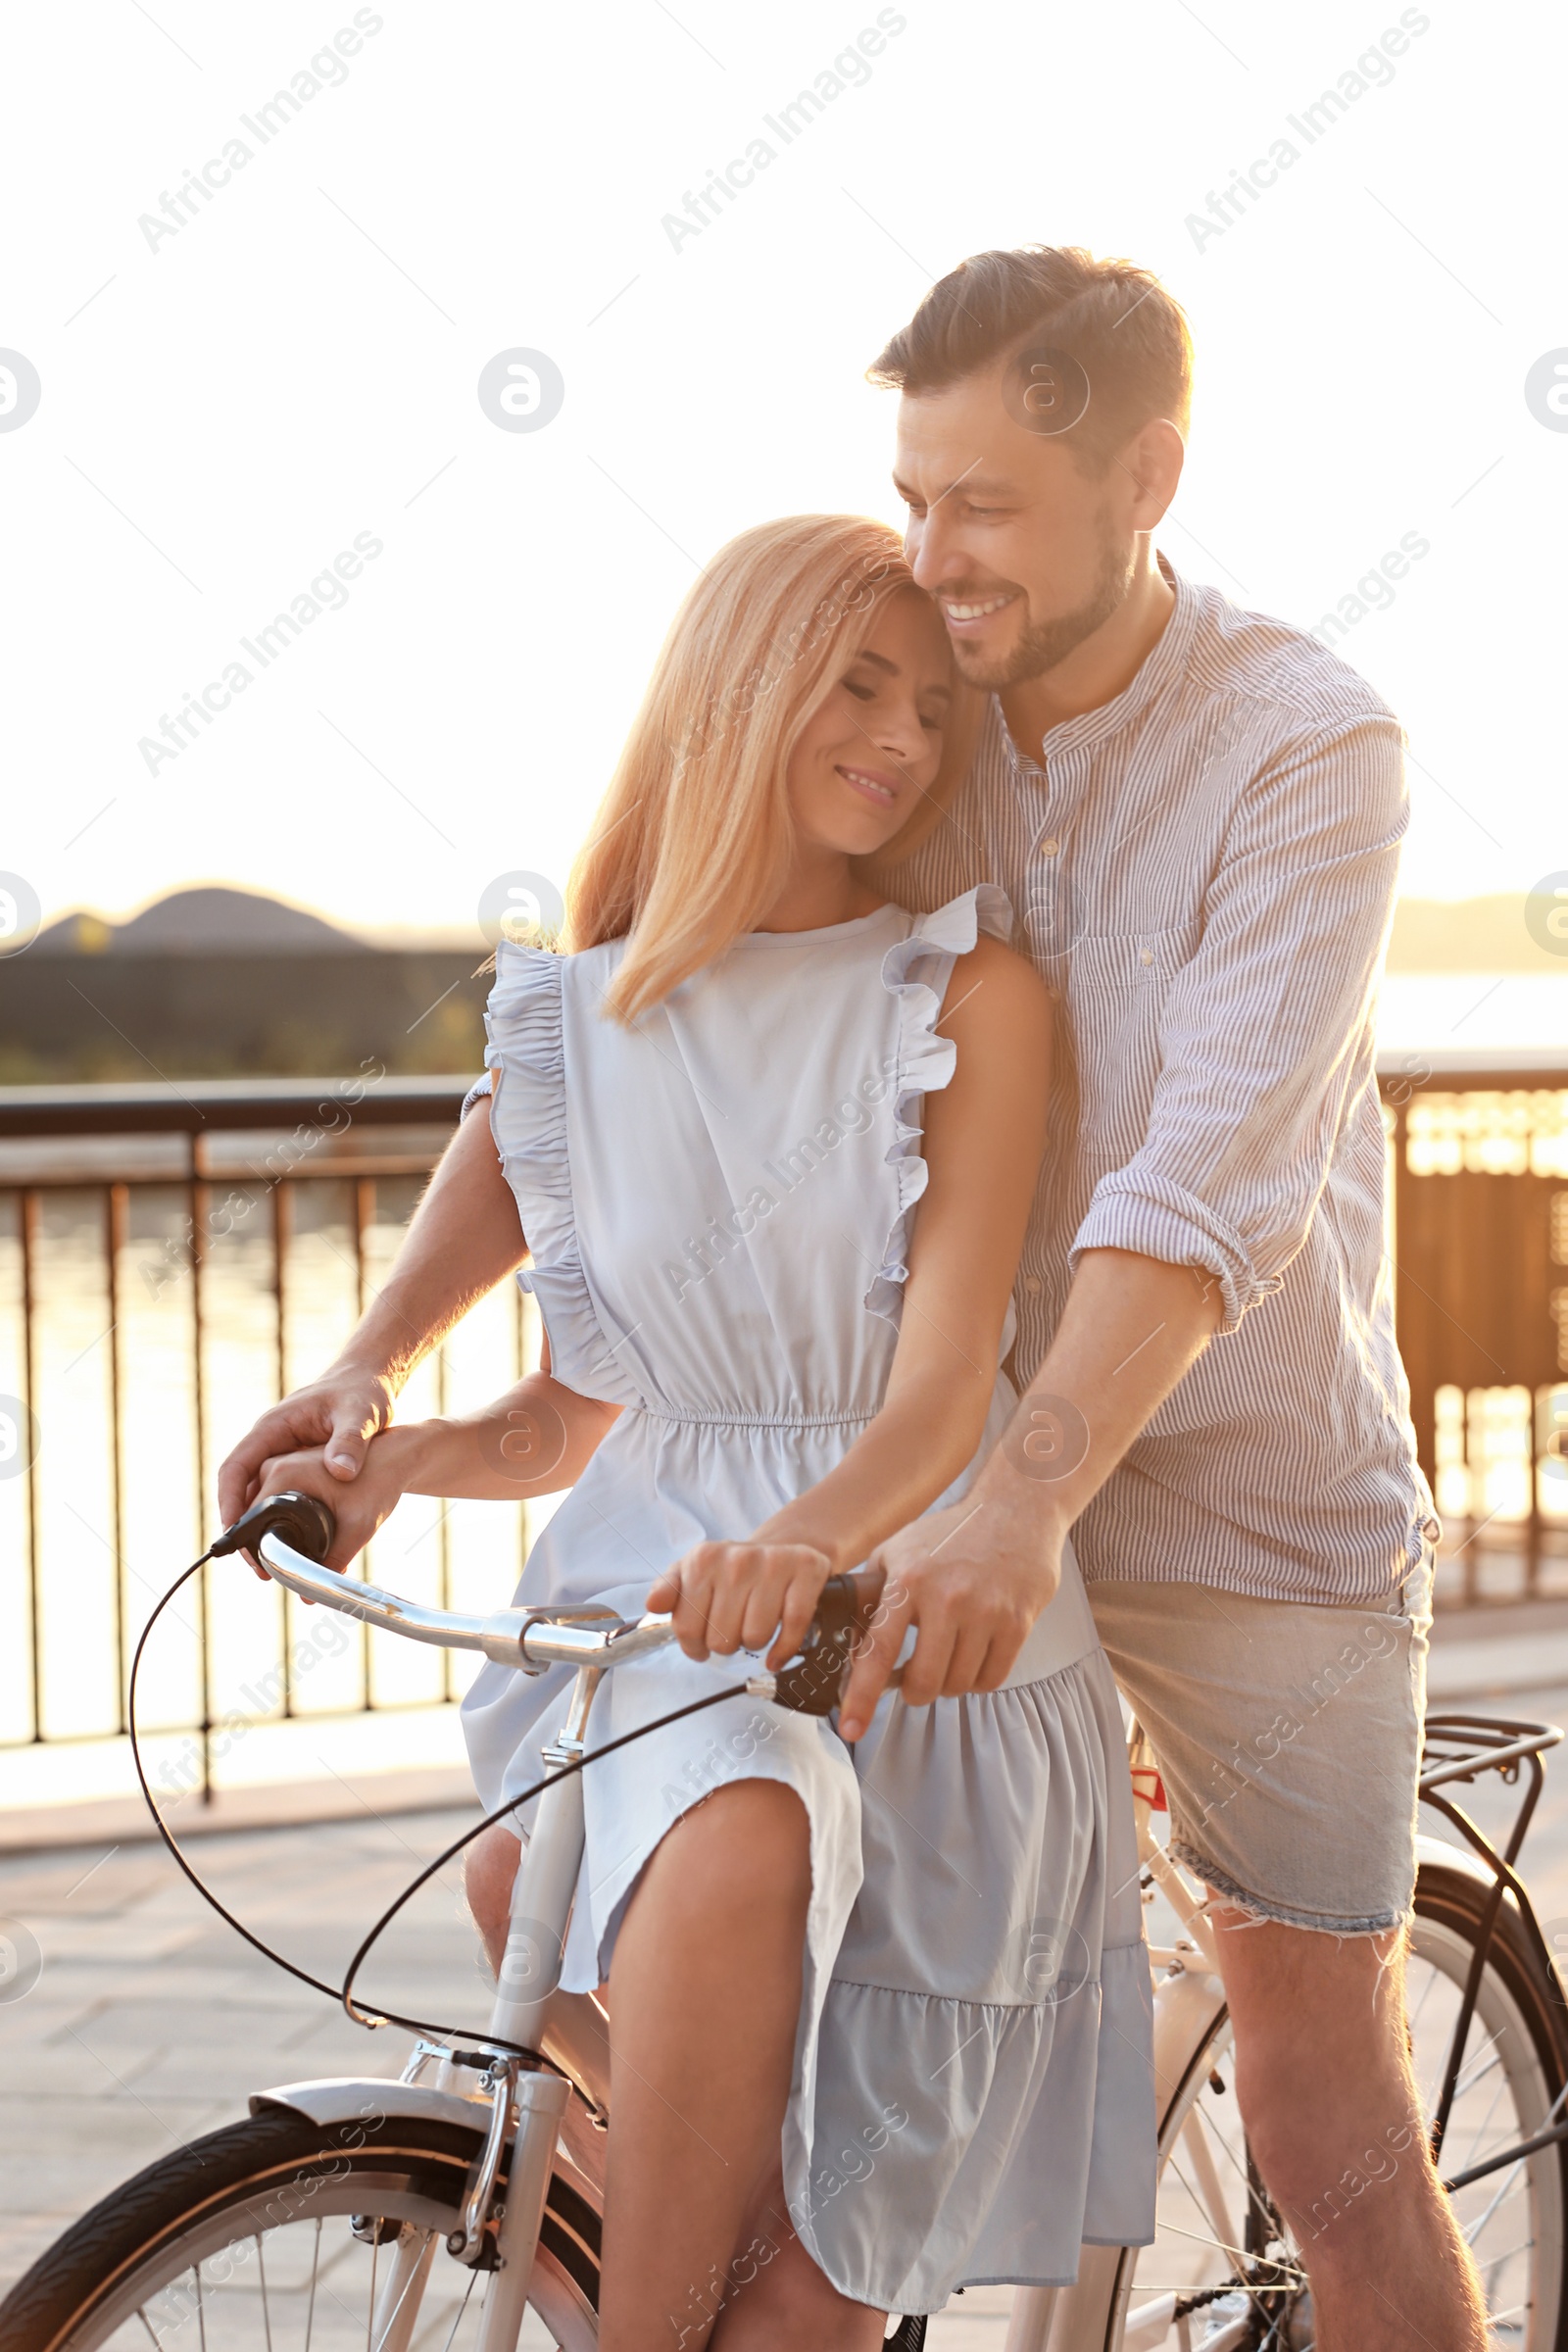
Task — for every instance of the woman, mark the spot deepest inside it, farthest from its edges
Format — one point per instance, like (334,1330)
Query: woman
(879,2007)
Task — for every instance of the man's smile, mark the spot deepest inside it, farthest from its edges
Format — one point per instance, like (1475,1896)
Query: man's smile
(968,613)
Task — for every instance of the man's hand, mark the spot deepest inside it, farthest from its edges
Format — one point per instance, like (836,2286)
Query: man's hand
(359,1509)
(339,1413)
(729,1597)
(973,1579)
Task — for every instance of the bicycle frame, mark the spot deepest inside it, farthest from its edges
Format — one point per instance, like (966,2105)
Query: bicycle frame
(527,2106)
(531,2105)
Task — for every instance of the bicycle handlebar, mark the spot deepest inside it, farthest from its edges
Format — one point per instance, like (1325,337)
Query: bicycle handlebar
(512,1637)
(532,1639)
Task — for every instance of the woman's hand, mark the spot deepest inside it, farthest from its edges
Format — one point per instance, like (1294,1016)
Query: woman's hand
(973,1579)
(359,1509)
(729,1597)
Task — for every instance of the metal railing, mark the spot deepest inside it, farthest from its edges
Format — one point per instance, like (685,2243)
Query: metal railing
(1479,1165)
(191,1232)
(171,1258)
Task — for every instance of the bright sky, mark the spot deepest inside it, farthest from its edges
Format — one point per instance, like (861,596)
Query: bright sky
(228,407)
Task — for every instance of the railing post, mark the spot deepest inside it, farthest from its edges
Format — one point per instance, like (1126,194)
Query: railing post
(196,1193)
(363,1219)
(282,1226)
(116,1229)
(28,1235)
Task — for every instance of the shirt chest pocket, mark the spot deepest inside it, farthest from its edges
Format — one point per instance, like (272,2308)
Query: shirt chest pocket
(1117,986)
(1117,965)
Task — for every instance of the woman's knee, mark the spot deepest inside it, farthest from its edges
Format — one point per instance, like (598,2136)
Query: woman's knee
(752,1836)
(489,1869)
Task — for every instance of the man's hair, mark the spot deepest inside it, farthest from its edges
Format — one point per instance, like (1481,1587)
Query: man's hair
(1115,320)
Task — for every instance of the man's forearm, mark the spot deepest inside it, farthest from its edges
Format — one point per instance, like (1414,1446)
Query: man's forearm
(466,1237)
(1131,1328)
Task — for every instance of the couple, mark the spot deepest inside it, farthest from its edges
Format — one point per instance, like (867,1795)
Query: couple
(973,960)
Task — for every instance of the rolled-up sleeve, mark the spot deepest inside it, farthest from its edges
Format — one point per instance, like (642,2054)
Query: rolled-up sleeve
(1266,1036)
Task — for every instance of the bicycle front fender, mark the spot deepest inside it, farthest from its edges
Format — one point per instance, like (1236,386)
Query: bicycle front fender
(366,2103)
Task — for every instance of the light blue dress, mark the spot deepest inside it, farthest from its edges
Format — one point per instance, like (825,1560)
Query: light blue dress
(718,1205)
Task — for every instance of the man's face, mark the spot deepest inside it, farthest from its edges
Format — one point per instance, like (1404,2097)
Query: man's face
(1024,552)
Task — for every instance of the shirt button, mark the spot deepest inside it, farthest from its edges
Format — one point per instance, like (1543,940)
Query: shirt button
(1146,955)
(1031,1283)
(1050,846)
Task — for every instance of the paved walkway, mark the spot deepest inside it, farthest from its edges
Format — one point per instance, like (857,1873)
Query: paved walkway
(150,2022)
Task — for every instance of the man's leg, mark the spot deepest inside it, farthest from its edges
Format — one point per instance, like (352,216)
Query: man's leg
(1323,2083)
(1289,1738)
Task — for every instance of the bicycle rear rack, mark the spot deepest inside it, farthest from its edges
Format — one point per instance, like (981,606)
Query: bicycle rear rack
(1457,1750)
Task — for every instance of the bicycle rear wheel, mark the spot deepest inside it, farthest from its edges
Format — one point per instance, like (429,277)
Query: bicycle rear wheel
(282,2233)
(1223,2273)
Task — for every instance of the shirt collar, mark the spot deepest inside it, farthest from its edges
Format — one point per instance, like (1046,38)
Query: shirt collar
(1165,660)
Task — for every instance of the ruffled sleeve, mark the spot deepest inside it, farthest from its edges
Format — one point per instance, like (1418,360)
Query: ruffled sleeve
(916,972)
(525,1025)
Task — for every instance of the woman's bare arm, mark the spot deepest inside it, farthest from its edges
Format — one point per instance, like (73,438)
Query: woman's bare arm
(466,1237)
(537,1438)
(984,1137)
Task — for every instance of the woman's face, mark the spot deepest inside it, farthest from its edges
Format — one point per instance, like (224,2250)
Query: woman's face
(874,744)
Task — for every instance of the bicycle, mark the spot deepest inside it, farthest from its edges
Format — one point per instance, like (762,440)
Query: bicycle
(361,2212)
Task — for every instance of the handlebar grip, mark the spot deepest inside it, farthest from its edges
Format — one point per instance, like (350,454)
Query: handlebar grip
(813,1684)
(302,1521)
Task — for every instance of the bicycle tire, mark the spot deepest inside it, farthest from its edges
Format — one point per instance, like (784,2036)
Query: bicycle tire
(147,2237)
(1518,1993)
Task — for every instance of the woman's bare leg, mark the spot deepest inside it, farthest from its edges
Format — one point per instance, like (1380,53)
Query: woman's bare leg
(705,1995)
(782,2301)
(706,1990)
(489,1868)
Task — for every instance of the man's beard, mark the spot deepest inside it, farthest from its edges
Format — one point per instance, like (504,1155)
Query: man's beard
(1045,644)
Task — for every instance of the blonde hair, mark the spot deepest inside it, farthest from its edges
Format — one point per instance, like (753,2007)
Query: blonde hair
(694,839)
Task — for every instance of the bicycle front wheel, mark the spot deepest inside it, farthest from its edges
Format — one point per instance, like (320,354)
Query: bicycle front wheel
(282,2233)
(1223,2273)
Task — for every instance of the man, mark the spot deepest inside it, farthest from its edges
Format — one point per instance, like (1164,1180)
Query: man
(1196,813)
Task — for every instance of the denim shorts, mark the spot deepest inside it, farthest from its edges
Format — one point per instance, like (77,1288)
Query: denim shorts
(1288,1740)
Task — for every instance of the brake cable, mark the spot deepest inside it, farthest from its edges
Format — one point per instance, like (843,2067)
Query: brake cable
(344,1992)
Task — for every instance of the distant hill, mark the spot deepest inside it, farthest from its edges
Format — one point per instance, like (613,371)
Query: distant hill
(208,920)
(1430,935)
(1467,935)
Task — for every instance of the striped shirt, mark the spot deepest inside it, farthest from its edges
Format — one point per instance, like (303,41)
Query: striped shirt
(1203,872)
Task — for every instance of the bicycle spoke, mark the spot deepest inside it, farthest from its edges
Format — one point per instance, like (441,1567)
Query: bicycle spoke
(151,2330)
(1485,2124)
(201,2308)
(267,2309)
(1237,2168)
(369,2323)
(316,2264)
(1191,2237)
(414,2276)
(1464,2081)
(1211,2203)
(473,2280)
